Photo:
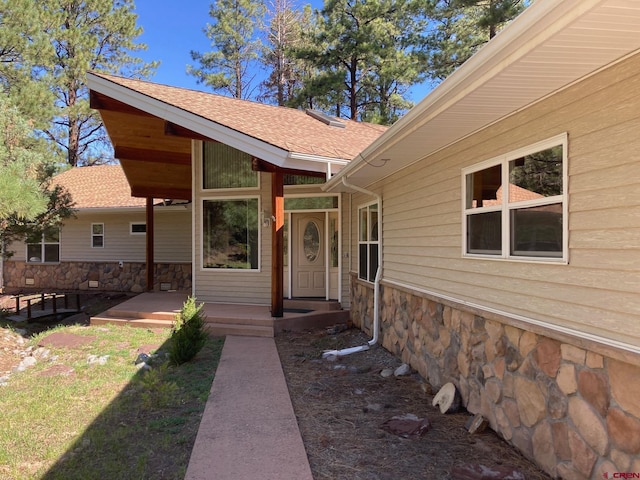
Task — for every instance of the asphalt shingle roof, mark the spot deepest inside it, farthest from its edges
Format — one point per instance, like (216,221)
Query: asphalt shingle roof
(100,186)
(287,128)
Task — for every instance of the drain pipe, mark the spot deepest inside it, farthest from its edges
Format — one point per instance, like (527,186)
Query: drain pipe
(376,282)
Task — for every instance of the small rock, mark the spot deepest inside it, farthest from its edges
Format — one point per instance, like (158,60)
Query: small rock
(143,366)
(426,388)
(387,372)
(25,363)
(407,426)
(331,358)
(373,407)
(94,359)
(358,391)
(402,370)
(476,424)
(337,329)
(142,358)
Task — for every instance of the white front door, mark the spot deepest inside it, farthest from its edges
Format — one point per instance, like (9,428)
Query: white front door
(308,250)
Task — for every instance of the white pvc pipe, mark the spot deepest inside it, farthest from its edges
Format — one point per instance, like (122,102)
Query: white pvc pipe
(376,283)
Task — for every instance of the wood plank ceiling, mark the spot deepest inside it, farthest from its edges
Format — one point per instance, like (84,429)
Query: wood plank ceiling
(155,155)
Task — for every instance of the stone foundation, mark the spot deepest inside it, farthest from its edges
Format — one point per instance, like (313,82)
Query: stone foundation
(103,276)
(574,412)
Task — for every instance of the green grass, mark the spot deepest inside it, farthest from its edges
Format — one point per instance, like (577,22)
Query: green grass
(104,421)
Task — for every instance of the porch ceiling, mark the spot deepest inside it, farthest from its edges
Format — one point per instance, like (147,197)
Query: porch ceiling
(156,163)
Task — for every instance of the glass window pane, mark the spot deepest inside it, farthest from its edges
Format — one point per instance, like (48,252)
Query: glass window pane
(311,242)
(98,241)
(34,252)
(537,231)
(302,180)
(536,176)
(138,228)
(226,167)
(484,233)
(373,261)
(230,233)
(310,203)
(364,222)
(97,228)
(373,234)
(52,235)
(363,261)
(52,253)
(484,188)
(333,230)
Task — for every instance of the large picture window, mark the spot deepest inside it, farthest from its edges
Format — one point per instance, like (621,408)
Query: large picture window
(44,247)
(230,233)
(368,242)
(514,205)
(226,167)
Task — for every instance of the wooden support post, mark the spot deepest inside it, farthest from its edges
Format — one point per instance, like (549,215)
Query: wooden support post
(42,300)
(277,244)
(28,309)
(149,257)
(53,299)
(17,304)
(66,301)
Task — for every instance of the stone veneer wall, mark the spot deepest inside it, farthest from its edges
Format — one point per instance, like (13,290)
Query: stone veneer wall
(131,277)
(573,411)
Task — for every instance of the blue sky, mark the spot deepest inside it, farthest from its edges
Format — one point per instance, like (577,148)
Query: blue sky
(173,28)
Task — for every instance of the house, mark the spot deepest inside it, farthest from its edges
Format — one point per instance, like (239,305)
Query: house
(103,247)
(262,228)
(495,240)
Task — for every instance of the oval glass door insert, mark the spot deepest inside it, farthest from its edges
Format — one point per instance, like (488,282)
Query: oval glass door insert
(311,241)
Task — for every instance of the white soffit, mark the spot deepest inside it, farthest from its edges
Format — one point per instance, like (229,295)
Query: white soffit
(550,46)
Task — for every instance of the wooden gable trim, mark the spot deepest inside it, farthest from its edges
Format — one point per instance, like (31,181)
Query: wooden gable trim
(174,130)
(152,156)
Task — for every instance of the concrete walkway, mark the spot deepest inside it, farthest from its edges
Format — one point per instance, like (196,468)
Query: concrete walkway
(248,429)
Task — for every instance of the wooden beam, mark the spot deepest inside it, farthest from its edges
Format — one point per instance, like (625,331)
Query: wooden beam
(153,156)
(98,101)
(277,244)
(160,191)
(262,166)
(174,130)
(149,248)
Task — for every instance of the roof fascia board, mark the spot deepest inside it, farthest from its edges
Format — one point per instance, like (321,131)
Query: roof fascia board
(196,123)
(540,21)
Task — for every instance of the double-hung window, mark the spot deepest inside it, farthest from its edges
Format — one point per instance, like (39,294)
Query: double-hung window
(368,243)
(44,247)
(515,205)
(97,235)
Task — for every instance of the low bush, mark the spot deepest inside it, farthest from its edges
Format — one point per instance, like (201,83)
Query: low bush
(188,335)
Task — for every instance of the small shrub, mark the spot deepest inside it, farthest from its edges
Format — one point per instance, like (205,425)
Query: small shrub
(156,391)
(188,335)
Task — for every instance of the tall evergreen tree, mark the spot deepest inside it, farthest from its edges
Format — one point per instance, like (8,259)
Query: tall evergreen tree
(367,56)
(28,201)
(460,27)
(282,34)
(80,36)
(230,65)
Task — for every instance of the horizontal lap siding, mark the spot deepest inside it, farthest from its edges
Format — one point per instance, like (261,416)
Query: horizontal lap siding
(598,291)
(172,236)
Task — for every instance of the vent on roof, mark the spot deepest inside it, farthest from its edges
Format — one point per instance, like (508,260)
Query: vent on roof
(324,118)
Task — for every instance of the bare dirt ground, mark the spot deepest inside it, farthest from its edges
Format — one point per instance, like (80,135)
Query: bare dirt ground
(342,404)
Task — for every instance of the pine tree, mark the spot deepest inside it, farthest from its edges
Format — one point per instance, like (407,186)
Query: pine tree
(80,36)
(461,27)
(229,66)
(366,51)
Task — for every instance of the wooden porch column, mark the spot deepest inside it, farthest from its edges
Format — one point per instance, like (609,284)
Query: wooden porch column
(277,244)
(149,247)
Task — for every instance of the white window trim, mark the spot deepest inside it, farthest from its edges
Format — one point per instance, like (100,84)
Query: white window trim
(368,243)
(505,208)
(93,235)
(242,271)
(131,224)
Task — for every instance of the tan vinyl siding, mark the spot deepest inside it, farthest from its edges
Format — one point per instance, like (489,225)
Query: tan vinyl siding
(173,236)
(597,291)
(227,285)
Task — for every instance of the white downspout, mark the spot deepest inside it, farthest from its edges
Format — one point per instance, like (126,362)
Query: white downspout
(376,282)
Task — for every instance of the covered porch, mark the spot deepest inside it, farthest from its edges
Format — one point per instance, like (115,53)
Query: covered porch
(158,310)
